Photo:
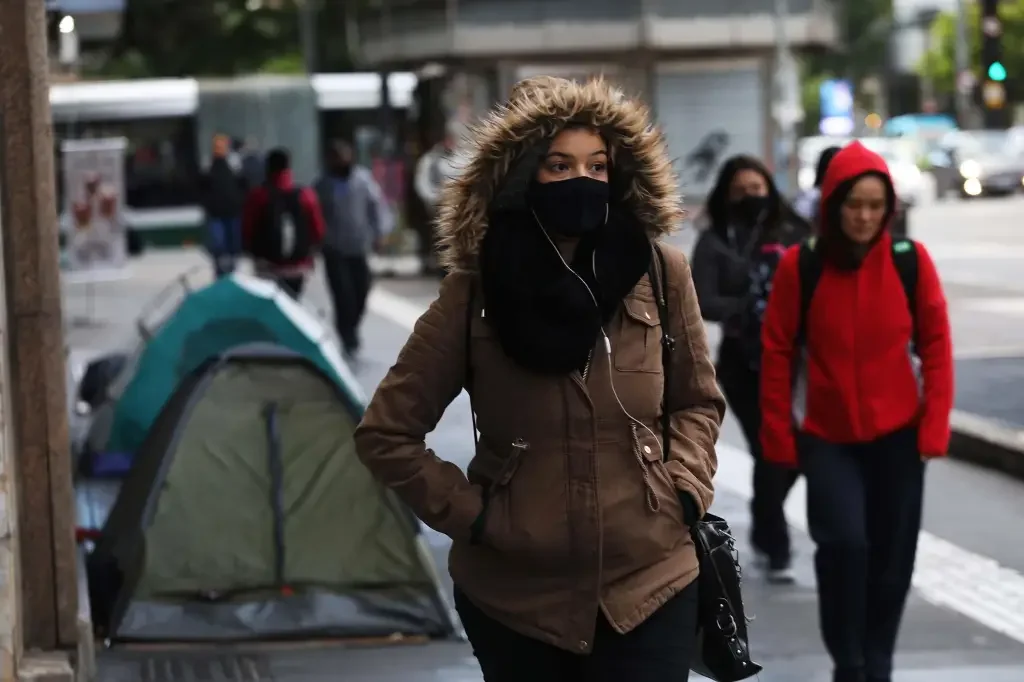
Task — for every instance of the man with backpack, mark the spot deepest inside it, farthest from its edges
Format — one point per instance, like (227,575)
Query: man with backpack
(282,226)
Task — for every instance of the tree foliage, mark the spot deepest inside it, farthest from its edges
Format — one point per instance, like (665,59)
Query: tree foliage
(939,63)
(865,27)
(178,38)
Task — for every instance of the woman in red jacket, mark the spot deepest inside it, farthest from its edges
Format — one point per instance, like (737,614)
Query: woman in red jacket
(857,370)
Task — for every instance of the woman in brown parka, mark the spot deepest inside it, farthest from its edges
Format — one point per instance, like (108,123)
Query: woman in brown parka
(572,556)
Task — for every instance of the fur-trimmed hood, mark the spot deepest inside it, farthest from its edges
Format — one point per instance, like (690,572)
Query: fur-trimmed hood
(507,145)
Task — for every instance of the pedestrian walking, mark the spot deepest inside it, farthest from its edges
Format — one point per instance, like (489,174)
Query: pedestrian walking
(807,202)
(357,219)
(749,225)
(282,226)
(223,192)
(434,168)
(861,318)
(572,557)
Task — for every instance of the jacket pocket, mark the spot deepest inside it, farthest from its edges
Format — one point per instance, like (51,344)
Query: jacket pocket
(494,486)
(638,347)
(661,489)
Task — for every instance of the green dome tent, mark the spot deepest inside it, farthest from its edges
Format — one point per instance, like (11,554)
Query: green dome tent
(233,311)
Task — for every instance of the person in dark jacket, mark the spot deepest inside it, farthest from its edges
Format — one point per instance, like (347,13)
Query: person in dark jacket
(807,203)
(869,403)
(748,219)
(357,217)
(223,198)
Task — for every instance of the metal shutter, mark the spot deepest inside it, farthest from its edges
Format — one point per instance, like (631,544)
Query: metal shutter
(710,112)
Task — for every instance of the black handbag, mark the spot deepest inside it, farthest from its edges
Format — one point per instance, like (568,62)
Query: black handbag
(722,652)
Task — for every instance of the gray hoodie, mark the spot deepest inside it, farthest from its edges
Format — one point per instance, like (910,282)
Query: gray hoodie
(354,210)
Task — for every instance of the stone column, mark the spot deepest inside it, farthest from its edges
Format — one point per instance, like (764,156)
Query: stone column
(37,473)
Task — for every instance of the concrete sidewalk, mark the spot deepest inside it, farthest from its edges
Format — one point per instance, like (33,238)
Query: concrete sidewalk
(939,644)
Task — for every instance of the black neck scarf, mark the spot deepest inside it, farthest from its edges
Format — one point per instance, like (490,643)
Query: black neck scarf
(542,314)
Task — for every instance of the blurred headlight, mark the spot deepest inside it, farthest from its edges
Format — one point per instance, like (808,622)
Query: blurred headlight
(970,169)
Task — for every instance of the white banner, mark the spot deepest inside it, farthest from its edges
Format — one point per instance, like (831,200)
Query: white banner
(94,205)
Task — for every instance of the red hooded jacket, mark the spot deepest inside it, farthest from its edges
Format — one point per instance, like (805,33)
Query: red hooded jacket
(855,379)
(256,205)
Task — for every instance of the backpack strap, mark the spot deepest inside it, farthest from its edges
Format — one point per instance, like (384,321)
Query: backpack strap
(809,267)
(904,257)
(659,283)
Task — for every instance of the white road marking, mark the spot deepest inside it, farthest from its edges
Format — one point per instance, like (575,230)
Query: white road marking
(946,575)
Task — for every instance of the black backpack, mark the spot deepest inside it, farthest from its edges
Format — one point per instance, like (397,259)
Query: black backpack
(810,266)
(283,234)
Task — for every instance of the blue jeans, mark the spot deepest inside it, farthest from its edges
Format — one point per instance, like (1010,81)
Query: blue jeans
(224,242)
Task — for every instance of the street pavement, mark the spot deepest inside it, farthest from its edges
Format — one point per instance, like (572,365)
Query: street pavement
(965,621)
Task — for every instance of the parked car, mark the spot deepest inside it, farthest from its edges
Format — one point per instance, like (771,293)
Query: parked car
(974,163)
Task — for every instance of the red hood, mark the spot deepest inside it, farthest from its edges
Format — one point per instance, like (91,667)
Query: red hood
(282,180)
(852,161)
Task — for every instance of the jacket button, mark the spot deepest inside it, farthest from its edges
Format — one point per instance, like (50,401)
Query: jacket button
(647,449)
(583,645)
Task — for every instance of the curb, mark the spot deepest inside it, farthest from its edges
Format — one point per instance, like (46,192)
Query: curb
(986,442)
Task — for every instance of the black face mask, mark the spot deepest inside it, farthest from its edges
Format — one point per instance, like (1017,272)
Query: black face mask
(571,208)
(342,169)
(750,210)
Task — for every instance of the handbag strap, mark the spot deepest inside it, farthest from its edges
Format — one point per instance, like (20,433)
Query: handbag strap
(659,283)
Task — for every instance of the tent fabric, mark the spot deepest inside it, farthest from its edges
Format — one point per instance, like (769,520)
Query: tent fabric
(233,311)
(188,550)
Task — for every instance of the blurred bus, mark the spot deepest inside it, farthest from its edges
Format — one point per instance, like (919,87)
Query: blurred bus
(169,125)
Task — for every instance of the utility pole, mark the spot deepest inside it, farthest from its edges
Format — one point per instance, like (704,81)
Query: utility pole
(308,33)
(964,78)
(38,587)
(787,110)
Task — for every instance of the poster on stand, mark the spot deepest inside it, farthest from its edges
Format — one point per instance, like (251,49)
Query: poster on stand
(93,220)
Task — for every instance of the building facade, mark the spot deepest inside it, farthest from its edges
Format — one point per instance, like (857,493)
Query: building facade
(705,67)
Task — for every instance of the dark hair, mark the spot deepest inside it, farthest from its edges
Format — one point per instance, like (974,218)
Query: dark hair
(278,161)
(824,159)
(338,149)
(835,245)
(717,205)
(237,144)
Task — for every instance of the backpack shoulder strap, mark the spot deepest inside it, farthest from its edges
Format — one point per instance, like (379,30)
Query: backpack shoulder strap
(904,257)
(659,283)
(809,266)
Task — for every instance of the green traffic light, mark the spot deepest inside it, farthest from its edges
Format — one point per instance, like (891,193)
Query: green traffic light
(997,72)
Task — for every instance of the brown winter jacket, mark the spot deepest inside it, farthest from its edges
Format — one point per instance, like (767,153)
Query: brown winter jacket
(582,513)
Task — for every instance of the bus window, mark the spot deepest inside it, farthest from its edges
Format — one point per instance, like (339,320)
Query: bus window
(160,170)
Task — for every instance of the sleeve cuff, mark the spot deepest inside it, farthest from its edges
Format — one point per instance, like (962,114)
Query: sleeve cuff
(691,512)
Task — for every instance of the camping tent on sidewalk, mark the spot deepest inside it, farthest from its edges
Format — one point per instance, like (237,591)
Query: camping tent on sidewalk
(234,310)
(248,515)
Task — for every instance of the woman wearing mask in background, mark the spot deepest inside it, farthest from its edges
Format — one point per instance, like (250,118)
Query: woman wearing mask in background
(871,402)
(572,556)
(750,225)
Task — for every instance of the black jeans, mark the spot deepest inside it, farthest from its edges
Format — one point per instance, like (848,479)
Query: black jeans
(349,280)
(864,512)
(742,387)
(657,650)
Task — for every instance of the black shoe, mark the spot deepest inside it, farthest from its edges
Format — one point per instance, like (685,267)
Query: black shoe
(780,571)
(848,676)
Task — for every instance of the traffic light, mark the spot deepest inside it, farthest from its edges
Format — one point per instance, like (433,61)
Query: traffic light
(994,85)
